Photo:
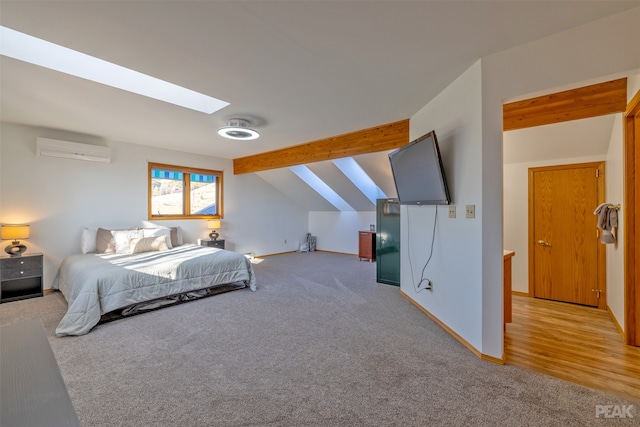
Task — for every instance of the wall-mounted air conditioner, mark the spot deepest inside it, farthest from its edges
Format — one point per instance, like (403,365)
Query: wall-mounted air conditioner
(72,150)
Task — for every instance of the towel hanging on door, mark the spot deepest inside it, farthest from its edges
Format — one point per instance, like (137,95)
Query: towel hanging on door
(607,221)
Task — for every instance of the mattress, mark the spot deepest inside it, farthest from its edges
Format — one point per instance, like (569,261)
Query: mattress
(96,284)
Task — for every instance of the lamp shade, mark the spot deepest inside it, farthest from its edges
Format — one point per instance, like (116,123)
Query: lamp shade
(14,232)
(213,224)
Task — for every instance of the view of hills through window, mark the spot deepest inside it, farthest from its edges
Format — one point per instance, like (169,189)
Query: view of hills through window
(168,197)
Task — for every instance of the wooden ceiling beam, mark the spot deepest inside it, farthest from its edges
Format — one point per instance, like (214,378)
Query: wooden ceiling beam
(378,138)
(581,103)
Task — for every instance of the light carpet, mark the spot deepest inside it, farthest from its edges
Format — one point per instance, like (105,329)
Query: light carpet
(319,344)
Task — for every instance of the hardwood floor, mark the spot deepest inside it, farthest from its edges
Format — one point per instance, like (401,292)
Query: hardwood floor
(576,343)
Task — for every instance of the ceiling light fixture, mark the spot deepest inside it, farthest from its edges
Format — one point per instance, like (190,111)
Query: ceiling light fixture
(238,129)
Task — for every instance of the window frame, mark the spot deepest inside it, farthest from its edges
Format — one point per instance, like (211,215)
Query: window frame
(186,173)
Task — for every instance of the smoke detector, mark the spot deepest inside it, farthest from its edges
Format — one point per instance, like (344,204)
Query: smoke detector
(238,129)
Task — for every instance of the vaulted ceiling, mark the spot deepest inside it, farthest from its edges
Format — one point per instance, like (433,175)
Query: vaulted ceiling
(301,70)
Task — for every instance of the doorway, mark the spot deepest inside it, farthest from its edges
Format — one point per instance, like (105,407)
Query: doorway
(566,261)
(590,101)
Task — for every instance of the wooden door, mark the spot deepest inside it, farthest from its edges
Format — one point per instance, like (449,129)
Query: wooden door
(566,259)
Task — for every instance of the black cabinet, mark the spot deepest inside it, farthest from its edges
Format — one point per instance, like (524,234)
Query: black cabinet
(213,243)
(388,241)
(20,277)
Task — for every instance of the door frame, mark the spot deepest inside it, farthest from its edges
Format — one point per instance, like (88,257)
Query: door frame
(581,103)
(631,228)
(602,253)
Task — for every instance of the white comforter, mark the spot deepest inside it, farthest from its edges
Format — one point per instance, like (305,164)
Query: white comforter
(97,284)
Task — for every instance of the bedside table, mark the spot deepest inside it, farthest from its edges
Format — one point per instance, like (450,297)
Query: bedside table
(213,243)
(20,277)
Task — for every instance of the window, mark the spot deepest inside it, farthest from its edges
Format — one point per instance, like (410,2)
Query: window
(177,192)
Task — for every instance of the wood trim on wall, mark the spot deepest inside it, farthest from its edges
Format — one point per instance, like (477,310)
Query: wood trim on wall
(602,251)
(631,210)
(378,138)
(531,237)
(581,103)
(467,344)
(615,322)
(520,294)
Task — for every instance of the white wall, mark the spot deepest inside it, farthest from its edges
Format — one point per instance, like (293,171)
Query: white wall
(338,231)
(467,263)
(615,194)
(516,213)
(59,197)
(633,85)
(455,269)
(573,57)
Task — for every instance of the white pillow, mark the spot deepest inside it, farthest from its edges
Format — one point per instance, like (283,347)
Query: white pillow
(122,237)
(88,240)
(149,224)
(148,244)
(176,233)
(156,232)
(179,236)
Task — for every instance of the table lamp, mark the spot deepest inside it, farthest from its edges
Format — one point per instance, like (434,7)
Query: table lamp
(212,224)
(15,233)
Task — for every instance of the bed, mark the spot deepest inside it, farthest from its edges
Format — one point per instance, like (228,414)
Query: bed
(95,284)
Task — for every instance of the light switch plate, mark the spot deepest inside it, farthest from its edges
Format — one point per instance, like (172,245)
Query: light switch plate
(471,211)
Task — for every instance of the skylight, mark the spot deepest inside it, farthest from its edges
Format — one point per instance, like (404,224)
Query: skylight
(305,174)
(36,51)
(352,170)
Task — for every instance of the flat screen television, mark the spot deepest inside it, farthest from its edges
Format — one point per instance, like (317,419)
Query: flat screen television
(418,172)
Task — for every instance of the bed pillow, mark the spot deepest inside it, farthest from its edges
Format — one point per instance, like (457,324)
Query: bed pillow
(176,236)
(148,244)
(122,237)
(88,240)
(175,233)
(155,232)
(104,242)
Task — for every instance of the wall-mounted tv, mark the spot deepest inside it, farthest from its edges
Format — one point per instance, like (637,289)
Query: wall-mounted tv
(418,172)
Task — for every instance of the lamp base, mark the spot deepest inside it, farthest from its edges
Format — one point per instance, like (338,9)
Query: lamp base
(214,235)
(15,249)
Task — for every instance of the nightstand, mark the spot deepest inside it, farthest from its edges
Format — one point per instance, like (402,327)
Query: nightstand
(213,243)
(20,277)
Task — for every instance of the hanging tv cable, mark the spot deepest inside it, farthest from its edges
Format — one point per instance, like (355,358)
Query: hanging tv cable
(424,282)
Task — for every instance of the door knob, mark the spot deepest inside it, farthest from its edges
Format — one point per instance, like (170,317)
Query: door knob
(543,243)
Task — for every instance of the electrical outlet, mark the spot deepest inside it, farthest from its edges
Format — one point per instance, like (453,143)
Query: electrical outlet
(452,211)
(425,284)
(285,241)
(471,211)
